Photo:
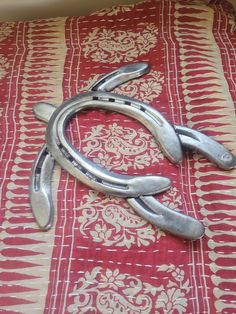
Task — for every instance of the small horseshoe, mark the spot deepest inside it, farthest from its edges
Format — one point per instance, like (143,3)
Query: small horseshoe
(60,147)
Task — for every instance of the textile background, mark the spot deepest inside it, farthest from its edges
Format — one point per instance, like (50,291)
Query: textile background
(100,257)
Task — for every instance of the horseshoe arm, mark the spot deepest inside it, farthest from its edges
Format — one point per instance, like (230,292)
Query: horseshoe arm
(167,219)
(40,189)
(199,142)
(74,162)
(123,74)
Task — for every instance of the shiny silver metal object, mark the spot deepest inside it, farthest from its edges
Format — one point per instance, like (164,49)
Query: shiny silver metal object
(146,206)
(174,222)
(60,147)
(124,74)
(40,189)
(84,169)
(190,139)
(133,188)
(201,143)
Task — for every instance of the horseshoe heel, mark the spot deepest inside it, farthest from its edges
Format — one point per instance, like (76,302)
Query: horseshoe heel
(167,219)
(199,142)
(123,74)
(40,189)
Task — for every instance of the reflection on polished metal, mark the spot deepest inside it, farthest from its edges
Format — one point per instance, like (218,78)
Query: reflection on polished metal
(167,219)
(134,189)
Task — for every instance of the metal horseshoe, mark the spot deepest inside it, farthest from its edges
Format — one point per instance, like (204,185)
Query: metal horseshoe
(147,206)
(190,139)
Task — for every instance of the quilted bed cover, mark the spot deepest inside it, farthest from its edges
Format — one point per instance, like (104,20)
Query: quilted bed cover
(101,257)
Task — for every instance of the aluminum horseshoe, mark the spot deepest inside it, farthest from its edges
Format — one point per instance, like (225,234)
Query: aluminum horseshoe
(148,207)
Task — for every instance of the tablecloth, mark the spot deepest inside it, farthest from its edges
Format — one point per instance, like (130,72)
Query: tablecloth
(100,256)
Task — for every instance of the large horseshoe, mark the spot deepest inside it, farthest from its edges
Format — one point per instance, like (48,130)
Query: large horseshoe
(147,206)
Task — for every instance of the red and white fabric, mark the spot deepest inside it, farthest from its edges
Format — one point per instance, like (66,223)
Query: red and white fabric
(100,257)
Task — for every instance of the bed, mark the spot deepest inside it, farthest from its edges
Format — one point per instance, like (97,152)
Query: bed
(100,256)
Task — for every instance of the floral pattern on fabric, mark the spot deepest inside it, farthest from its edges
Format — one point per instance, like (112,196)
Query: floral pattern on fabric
(5,30)
(4,66)
(145,88)
(120,148)
(112,222)
(108,45)
(110,291)
(172,199)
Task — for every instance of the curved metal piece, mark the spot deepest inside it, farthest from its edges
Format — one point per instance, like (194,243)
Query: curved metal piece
(84,169)
(43,111)
(162,131)
(146,206)
(149,208)
(190,139)
(40,189)
(199,142)
(120,76)
(158,214)
(167,219)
